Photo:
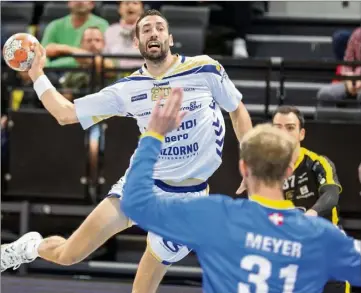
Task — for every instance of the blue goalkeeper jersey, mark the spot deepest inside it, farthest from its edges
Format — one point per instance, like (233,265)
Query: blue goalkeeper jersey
(243,246)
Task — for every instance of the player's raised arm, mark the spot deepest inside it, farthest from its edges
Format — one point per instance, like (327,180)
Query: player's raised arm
(229,98)
(343,255)
(87,110)
(180,219)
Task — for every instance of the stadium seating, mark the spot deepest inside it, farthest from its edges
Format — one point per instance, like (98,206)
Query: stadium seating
(15,17)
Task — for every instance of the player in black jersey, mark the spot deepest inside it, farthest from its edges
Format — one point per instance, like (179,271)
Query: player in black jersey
(314,186)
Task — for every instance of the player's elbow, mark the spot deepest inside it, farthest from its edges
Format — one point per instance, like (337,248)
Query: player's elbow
(66,115)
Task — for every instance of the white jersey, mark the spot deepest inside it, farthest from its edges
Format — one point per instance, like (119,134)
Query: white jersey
(194,150)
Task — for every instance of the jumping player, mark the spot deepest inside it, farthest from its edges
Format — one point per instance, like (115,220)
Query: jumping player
(264,244)
(188,158)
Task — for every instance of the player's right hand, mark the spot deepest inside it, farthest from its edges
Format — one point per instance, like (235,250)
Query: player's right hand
(167,117)
(36,69)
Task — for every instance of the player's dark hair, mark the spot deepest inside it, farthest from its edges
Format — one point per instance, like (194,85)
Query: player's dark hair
(291,109)
(149,12)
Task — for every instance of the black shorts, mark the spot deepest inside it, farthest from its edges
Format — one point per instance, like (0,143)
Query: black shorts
(337,287)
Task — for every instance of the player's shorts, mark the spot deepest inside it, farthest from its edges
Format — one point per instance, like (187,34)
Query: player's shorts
(166,252)
(337,287)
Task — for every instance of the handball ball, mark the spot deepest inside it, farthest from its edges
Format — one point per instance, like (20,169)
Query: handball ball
(17,52)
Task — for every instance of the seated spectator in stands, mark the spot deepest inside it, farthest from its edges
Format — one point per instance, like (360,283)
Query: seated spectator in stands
(347,89)
(339,43)
(92,42)
(237,15)
(119,36)
(69,30)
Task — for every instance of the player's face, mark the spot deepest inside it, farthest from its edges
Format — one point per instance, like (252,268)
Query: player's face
(289,123)
(154,38)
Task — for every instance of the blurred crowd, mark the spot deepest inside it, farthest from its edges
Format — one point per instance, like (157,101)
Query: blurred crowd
(84,31)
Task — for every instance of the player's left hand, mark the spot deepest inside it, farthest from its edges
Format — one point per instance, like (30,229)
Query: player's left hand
(311,213)
(166,117)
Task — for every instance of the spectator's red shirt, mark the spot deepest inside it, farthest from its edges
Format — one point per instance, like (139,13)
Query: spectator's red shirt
(353,51)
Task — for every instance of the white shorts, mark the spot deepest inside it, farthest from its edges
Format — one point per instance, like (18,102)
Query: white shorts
(166,252)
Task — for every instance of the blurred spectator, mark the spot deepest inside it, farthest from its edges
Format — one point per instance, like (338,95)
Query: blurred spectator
(92,42)
(69,30)
(339,43)
(236,15)
(347,89)
(119,36)
(359,172)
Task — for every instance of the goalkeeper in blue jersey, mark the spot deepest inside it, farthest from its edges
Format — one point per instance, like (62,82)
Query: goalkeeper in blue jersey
(263,244)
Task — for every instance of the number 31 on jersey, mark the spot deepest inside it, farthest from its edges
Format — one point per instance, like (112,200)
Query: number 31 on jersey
(263,267)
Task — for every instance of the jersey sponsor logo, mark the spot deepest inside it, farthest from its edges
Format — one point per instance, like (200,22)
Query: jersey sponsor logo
(192,106)
(146,113)
(139,97)
(305,192)
(189,89)
(158,91)
(180,152)
(289,194)
(276,218)
(302,178)
(178,137)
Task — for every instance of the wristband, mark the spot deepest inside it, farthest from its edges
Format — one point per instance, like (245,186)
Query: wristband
(41,85)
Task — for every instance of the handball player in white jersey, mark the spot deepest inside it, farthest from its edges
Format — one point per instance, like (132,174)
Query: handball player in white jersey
(189,156)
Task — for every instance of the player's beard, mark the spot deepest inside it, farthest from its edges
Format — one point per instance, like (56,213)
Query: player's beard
(156,57)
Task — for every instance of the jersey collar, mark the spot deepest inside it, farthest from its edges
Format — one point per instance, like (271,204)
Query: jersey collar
(270,203)
(169,70)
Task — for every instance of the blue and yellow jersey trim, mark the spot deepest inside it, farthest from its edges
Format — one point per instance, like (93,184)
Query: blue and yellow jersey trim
(185,66)
(154,135)
(274,204)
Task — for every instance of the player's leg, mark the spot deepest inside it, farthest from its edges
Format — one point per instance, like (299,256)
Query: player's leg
(159,255)
(103,222)
(149,274)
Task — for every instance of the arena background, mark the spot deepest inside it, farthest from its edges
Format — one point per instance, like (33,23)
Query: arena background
(52,176)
